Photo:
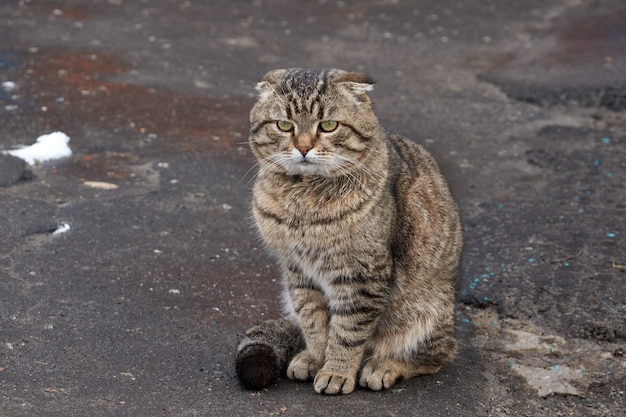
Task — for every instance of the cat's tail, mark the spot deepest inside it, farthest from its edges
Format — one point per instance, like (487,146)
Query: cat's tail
(265,352)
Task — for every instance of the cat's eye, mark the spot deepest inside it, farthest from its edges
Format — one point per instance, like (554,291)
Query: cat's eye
(328,125)
(284,125)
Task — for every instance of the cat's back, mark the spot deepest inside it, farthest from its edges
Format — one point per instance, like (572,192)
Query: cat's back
(429,225)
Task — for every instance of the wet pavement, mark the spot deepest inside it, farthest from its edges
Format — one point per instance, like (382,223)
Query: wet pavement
(137,308)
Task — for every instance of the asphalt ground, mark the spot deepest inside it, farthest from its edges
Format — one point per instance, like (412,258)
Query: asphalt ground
(136,310)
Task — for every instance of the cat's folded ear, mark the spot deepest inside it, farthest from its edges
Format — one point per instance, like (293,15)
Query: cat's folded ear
(357,82)
(266,84)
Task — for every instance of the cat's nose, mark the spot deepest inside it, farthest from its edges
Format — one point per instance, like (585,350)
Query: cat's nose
(304,149)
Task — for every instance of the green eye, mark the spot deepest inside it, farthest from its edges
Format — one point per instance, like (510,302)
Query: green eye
(284,125)
(328,125)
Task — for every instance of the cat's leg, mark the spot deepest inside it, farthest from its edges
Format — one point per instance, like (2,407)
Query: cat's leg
(382,371)
(343,359)
(309,306)
(353,317)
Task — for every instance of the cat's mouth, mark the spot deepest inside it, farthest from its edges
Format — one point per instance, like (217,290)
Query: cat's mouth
(304,166)
(304,160)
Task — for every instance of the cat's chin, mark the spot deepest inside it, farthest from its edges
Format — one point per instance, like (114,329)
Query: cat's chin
(305,168)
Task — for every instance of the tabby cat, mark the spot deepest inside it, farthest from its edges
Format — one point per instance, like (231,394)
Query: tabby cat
(366,232)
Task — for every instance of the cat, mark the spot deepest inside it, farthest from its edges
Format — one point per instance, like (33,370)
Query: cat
(366,232)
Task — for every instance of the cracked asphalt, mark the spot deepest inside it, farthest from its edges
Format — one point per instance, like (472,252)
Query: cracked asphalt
(136,310)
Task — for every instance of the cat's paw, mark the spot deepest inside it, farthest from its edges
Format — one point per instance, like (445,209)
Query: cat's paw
(303,367)
(329,382)
(378,375)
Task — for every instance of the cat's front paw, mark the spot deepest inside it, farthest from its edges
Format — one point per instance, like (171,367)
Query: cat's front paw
(377,375)
(303,366)
(329,382)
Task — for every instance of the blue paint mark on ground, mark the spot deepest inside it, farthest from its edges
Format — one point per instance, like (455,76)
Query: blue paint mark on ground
(9,60)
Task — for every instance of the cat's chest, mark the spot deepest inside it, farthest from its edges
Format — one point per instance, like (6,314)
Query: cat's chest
(298,206)
(319,228)
(309,231)
(309,241)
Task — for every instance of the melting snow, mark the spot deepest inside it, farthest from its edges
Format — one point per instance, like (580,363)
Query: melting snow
(48,147)
(62,229)
(9,85)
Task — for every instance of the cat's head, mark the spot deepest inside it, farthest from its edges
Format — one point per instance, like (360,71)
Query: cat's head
(314,122)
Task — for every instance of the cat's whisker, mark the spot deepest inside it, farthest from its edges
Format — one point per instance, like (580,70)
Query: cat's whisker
(355,181)
(360,166)
(252,177)
(273,161)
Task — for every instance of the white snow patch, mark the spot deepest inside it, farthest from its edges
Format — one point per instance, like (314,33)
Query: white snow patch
(62,229)
(9,85)
(48,147)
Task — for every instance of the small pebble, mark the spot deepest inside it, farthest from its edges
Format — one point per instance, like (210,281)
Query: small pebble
(101,185)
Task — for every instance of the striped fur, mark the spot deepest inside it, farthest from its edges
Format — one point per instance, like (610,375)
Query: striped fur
(367,235)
